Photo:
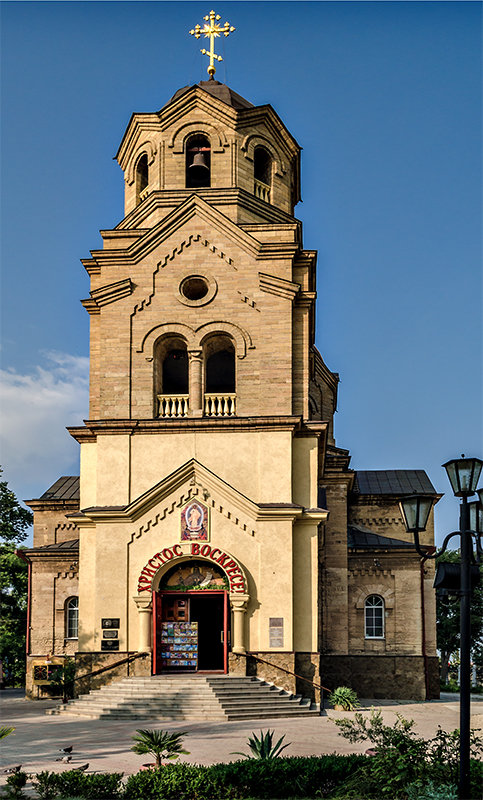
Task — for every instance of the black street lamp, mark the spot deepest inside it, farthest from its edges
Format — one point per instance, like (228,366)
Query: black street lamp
(463,474)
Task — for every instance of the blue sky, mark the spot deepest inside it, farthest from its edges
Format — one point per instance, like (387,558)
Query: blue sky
(383,97)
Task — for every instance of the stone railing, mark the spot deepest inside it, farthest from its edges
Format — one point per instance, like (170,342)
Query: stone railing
(173,406)
(143,194)
(220,405)
(262,191)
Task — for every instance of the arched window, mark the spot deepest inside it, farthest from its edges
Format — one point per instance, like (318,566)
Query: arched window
(262,169)
(141,177)
(198,162)
(220,366)
(72,618)
(175,371)
(171,384)
(374,617)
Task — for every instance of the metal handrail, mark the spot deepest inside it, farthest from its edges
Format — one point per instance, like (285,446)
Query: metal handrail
(321,688)
(111,666)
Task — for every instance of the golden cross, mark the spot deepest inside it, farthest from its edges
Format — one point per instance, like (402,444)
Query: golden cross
(212,30)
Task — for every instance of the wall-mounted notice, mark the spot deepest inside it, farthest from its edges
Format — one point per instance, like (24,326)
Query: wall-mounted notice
(275,631)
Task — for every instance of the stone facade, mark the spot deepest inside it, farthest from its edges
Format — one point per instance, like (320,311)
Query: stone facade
(206,388)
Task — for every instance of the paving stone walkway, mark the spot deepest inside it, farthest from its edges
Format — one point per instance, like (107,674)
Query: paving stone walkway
(106,744)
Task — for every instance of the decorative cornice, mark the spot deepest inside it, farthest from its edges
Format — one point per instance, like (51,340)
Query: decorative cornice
(112,292)
(278,286)
(91,306)
(94,428)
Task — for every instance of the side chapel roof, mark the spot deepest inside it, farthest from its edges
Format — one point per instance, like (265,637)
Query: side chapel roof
(393,482)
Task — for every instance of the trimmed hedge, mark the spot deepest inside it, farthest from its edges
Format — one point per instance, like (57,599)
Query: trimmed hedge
(280,778)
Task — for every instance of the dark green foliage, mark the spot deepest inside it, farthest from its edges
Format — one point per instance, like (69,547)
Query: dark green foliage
(403,758)
(14,521)
(263,747)
(45,784)
(448,620)
(104,786)
(261,778)
(15,783)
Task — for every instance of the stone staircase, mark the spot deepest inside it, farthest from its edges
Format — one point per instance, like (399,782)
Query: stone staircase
(197,698)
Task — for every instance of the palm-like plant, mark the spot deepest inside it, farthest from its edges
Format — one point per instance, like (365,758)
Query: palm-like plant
(160,744)
(263,747)
(5,732)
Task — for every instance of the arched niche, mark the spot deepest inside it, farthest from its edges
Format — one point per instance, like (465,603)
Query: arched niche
(252,141)
(147,148)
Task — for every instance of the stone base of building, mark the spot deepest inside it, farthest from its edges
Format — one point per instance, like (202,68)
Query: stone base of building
(382,676)
(294,672)
(89,665)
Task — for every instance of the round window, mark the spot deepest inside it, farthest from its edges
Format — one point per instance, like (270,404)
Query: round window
(194,288)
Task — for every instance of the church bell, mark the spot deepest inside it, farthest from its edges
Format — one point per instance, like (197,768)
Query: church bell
(199,161)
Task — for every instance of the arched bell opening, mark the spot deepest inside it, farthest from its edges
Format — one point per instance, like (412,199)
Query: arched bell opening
(198,162)
(171,381)
(220,376)
(262,172)
(141,178)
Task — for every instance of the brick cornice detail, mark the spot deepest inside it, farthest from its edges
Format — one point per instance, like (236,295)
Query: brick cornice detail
(278,286)
(112,292)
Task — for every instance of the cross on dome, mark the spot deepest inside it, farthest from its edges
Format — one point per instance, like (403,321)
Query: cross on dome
(210,30)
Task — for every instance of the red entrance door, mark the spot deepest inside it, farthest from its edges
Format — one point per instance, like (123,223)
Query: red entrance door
(190,631)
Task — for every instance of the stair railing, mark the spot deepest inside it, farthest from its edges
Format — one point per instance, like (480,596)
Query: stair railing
(126,660)
(318,686)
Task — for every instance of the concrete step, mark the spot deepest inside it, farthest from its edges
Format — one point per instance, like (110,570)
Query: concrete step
(188,697)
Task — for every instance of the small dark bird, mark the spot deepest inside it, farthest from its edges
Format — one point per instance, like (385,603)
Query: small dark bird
(81,769)
(64,759)
(13,770)
(66,749)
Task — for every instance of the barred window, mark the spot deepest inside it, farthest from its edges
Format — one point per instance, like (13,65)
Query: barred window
(374,617)
(72,618)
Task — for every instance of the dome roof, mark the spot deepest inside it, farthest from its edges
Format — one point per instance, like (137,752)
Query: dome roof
(219,90)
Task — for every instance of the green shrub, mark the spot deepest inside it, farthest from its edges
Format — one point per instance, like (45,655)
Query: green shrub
(344,697)
(314,777)
(46,785)
(160,744)
(104,786)
(263,747)
(431,791)
(403,758)
(15,783)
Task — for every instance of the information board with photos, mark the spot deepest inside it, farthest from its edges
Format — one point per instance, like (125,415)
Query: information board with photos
(179,644)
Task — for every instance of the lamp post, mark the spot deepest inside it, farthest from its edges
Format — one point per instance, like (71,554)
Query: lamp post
(463,474)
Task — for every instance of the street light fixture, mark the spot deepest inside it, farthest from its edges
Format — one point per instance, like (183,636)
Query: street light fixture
(463,474)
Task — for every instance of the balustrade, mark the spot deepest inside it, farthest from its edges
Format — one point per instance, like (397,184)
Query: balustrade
(262,191)
(173,405)
(220,405)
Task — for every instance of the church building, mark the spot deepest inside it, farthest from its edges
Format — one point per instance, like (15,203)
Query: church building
(216,525)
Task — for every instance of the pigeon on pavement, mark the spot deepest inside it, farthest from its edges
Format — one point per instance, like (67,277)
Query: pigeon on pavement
(13,770)
(80,769)
(66,749)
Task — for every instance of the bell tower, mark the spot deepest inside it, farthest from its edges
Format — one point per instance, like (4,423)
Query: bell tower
(205,382)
